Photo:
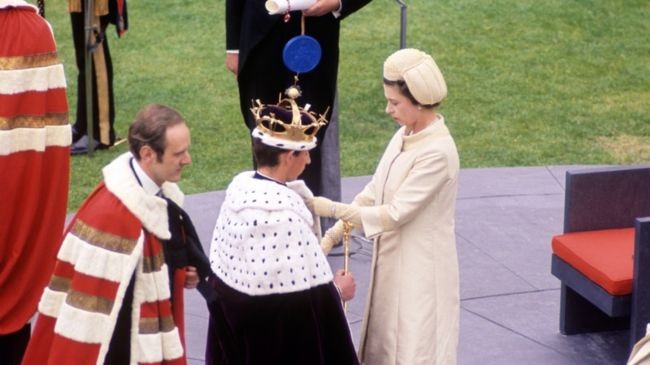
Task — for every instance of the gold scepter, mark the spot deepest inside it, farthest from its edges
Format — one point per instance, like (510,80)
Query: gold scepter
(347,228)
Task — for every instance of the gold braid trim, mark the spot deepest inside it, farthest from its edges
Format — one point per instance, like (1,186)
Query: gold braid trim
(152,264)
(156,325)
(89,303)
(31,61)
(102,239)
(49,119)
(76,6)
(59,284)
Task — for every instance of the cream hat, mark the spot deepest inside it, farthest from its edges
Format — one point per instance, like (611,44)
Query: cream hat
(420,73)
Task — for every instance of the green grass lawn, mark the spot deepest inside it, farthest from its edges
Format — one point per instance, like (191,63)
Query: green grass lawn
(530,83)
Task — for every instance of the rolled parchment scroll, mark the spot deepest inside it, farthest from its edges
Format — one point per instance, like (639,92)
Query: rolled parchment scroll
(282,6)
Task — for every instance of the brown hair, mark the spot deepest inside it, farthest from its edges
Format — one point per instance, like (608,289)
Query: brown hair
(404,90)
(268,156)
(150,127)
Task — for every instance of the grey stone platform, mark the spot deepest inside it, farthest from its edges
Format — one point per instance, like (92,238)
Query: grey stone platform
(505,218)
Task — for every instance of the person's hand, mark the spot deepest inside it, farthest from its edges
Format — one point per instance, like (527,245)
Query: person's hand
(232,62)
(332,237)
(346,284)
(326,244)
(191,277)
(321,206)
(324,207)
(322,7)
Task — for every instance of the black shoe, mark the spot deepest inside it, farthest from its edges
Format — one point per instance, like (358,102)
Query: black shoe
(76,136)
(81,147)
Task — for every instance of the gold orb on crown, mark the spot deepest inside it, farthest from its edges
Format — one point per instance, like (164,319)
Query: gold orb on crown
(286,125)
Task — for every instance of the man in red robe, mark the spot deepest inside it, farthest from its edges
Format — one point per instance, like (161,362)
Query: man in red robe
(115,296)
(34,167)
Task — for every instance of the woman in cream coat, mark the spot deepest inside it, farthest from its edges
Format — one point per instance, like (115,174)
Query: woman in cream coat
(412,311)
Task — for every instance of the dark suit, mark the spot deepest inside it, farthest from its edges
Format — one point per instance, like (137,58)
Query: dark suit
(260,39)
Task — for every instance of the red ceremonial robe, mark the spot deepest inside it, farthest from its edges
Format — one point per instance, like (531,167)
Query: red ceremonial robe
(34,160)
(114,237)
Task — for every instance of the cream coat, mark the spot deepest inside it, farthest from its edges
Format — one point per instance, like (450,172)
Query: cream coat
(412,309)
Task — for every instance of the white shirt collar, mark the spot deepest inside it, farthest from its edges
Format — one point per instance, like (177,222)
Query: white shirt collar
(270,178)
(149,186)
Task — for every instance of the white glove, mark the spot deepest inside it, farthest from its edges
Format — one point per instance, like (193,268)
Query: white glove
(324,207)
(332,237)
(301,188)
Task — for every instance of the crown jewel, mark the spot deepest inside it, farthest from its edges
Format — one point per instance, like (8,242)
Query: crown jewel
(285,124)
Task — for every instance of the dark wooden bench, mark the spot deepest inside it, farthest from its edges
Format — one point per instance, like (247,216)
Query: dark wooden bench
(603,257)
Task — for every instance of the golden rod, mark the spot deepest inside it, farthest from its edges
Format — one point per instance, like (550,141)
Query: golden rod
(347,228)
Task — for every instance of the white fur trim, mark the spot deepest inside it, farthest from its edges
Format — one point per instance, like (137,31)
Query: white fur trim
(173,192)
(246,192)
(36,139)
(32,79)
(284,144)
(154,348)
(155,285)
(96,261)
(51,302)
(16,3)
(138,298)
(124,280)
(149,209)
(150,348)
(83,326)
(300,188)
(263,241)
(172,346)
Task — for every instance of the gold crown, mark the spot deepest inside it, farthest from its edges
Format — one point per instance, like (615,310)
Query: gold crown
(286,120)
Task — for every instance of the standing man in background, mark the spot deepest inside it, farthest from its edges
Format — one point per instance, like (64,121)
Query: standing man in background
(103,103)
(34,165)
(254,42)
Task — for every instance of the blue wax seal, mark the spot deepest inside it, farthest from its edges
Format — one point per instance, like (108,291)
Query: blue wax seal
(301,54)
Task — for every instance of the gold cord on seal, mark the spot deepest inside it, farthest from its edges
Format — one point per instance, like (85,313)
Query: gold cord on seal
(287,15)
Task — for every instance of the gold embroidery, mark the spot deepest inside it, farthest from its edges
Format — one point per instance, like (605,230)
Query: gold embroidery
(74,6)
(155,325)
(89,303)
(101,6)
(101,84)
(153,263)
(33,121)
(31,61)
(60,284)
(102,239)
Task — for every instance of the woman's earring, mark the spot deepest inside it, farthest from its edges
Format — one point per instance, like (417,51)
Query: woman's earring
(419,107)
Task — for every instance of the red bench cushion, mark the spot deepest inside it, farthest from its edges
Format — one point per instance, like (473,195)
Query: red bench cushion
(605,256)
